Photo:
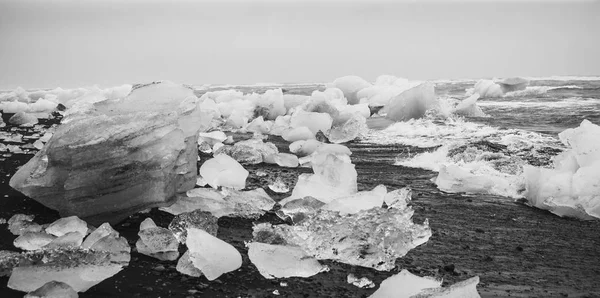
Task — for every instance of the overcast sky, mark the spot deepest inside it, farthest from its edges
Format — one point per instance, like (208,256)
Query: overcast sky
(85,42)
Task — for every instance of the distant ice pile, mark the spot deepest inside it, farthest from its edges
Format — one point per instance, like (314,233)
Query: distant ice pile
(572,187)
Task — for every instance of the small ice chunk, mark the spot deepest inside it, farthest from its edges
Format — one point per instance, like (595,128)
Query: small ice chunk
(405,284)
(280,261)
(256,198)
(398,198)
(102,231)
(252,151)
(285,160)
(33,240)
(38,144)
(66,225)
(362,200)
(53,289)
(304,147)
(196,219)
(20,224)
(185,266)
(462,289)
(223,170)
(362,282)
(23,119)
(212,137)
(315,122)
(147,223)
(279,186)
(157,242)
(70,239)
(298,134)
(211,255)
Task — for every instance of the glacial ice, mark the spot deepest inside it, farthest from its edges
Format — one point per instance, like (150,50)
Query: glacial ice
(477,178)
(405,284)
(297,134)
(33,240)
(252,151)
(362,200)
(312,120)
(53,289)
(332,178)
(185,266)
(362,282)
(304,147)
(462,289)
(347,130)
(196,219)
(102,231)
(23,119)
(468,107)
(70,239)
(572,187)
(350,85)
(370,238)
(66,225)
(157,242)
(145,144)
(211,255)
(281,261)
(512,84)
(412,103)
(298,209)
(223,170)
(80,269)
(279,186)
(20,224)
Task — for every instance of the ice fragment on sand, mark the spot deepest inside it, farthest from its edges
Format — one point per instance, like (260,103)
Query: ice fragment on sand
(279,186)
(223,170)
(347,130)
(211,255)
(20,224)
(371,238)
(185,266)
(256,198)
(53,289)
(304,147)
(462,289)
(398,198)
(405,284)
(23,119)
(362,282)
(102,231)
(362,200)
(284,160)
(572,187)
(33,240)
(280,261)
(299,209)
(332,178)
(157,242)
(252,151)
(313,121)
(81,269)
(66,225)
(298,134)
(70,239)
(196,219)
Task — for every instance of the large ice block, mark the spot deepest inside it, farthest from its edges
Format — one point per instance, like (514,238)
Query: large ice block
(117,157)
(412,103)
(211,255)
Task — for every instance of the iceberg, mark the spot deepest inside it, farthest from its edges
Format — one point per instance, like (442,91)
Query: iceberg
(211,255)
(116,157)
(512,84)
(280,261)
(252,151)
(412,103)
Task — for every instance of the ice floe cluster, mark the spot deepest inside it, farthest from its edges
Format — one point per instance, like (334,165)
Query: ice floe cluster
(120,151)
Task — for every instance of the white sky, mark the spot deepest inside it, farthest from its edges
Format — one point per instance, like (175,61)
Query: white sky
(78,43)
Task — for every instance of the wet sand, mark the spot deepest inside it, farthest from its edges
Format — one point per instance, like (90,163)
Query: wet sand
(516,250)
